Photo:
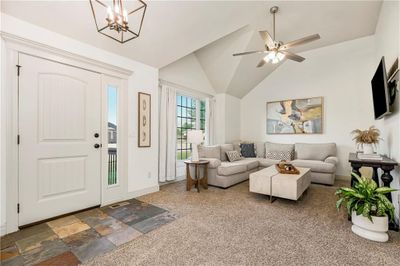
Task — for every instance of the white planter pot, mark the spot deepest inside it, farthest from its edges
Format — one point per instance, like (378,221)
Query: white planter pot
(375,230)
(368,149)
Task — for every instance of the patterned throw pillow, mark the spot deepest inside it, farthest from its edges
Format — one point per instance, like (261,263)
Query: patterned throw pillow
(247,150)
(279,155)
(233,156)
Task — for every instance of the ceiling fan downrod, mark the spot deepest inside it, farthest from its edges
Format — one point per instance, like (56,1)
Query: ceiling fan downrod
(273,10)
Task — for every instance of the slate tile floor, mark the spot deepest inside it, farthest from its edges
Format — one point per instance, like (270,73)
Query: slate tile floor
(80,237)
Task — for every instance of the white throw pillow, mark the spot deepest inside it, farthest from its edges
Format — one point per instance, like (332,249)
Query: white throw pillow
(233,156)
(279,155)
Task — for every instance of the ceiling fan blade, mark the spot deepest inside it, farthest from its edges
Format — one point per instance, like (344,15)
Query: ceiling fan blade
(251,52)
(261,63)
(268,41)
(292,56)
(300,41)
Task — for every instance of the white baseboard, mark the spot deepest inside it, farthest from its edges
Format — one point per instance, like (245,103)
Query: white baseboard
(178,179)
(3,230)
(141,192)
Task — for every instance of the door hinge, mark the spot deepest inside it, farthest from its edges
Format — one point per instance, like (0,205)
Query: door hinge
(18,69)
(17,207)
(18,139)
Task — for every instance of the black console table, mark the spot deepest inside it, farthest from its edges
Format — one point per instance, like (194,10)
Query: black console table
(386,164)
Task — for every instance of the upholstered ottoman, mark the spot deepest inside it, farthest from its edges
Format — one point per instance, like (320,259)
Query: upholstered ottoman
(269,181)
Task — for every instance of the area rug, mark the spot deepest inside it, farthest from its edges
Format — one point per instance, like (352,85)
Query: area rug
(235,227)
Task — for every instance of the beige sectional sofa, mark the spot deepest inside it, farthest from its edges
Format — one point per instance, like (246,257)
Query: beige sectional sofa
(321,158)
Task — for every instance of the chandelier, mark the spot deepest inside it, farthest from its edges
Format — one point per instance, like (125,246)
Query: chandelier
(117,19)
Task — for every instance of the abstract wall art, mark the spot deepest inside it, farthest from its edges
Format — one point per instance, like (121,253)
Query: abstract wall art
(299,116)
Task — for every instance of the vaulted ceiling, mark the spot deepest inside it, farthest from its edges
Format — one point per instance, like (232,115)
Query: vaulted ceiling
(211,30)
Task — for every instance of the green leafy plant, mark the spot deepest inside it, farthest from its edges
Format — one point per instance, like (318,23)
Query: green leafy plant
(366,198)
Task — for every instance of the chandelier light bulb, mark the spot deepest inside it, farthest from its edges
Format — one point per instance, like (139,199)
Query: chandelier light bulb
(110,14)
(125,16)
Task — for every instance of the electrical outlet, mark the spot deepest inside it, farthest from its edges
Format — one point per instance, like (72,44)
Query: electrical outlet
(398,200)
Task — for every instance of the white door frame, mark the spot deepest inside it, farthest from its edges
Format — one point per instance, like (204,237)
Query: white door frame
(11,46)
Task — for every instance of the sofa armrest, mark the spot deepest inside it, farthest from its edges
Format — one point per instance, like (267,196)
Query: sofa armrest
(332,160)
(214,163)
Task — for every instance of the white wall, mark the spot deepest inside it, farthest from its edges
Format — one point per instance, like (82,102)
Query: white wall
(187,72)
(2,144)
(143,162)
(388,44)
(227,121)
(232,118)
(219,123)
(340,73)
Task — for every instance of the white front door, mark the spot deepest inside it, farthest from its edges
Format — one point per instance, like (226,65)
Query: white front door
(59,115)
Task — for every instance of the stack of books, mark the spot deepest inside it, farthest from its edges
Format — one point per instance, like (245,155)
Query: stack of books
(374,156)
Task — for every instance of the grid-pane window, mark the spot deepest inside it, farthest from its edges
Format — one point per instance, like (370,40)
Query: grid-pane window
(202,116)
(186,120)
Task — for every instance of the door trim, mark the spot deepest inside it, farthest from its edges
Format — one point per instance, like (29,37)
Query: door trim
(54,54)
(13,45)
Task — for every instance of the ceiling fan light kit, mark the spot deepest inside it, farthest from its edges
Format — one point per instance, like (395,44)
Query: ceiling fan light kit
(119,20)
(276,50)
(274,57)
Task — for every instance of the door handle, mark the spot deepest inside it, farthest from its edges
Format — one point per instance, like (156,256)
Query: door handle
(96,135)
(96,146)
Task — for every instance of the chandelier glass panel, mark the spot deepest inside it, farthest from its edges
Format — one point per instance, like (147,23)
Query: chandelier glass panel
(117,19)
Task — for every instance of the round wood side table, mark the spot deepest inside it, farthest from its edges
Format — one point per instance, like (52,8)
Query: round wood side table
(197,180)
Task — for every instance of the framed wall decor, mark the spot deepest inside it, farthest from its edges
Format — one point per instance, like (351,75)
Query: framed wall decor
(298,116)
(144,119)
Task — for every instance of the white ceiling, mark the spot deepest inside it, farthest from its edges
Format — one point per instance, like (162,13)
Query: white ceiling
(212,30)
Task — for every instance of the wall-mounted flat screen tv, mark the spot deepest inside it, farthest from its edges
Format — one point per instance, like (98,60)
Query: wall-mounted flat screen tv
(380,91)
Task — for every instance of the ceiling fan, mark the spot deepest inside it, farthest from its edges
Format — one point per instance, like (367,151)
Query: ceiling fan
(275,50)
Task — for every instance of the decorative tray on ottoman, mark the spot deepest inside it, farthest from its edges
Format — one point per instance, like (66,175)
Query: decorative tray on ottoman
(286,168)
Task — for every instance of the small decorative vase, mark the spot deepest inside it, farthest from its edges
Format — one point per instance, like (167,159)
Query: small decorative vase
(368,148)
(375,230)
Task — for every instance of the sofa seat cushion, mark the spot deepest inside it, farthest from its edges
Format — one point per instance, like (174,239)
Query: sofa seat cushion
(252,163)
(315,166)
(228,168)
(267,162)
(214,163)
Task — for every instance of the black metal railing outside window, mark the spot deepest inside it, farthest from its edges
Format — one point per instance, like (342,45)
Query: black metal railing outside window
(112,166)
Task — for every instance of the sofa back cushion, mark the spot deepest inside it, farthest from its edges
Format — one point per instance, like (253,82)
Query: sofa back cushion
(210,152)
(224,149)
(279,147)
(260,149)
(236,145)
(315,151)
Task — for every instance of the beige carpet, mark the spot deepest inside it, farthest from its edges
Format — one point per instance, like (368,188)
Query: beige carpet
(235,227)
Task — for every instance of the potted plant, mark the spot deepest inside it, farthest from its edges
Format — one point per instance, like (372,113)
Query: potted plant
(369,208)
(367,139)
